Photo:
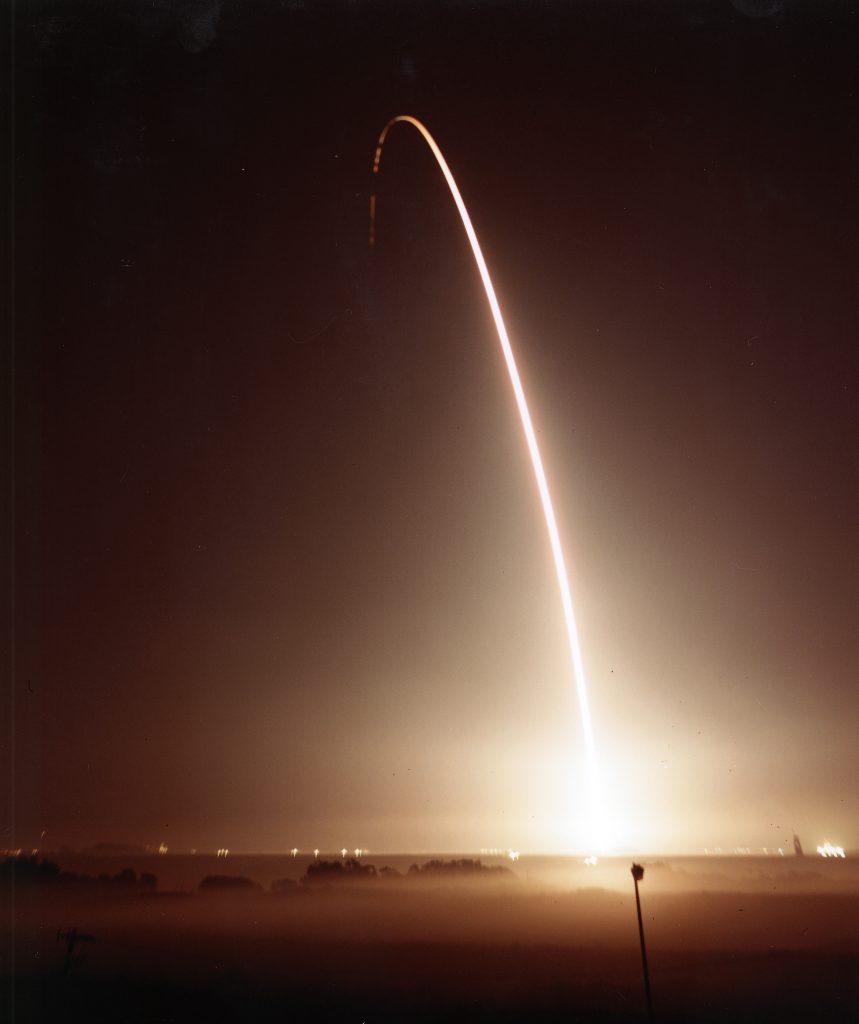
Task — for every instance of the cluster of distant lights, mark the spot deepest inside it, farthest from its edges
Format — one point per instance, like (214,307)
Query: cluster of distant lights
(362,851)
(828,850)
(359,851)
(497,851)
(744,851)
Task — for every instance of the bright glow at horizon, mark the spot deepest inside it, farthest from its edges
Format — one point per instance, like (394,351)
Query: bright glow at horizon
(596,827)
(828,850)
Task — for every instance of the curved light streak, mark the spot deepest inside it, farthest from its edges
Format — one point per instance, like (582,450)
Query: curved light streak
(530,438)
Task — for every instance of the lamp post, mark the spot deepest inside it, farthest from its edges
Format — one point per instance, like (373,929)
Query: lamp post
(637,875)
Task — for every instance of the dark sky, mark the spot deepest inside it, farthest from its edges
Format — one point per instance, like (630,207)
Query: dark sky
(281,574)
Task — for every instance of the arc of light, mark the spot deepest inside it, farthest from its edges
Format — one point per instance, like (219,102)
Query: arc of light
(527,427)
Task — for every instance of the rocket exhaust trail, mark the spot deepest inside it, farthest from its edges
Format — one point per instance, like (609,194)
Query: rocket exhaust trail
(530,438)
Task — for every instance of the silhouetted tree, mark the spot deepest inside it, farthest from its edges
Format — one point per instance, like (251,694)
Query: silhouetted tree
(456,868)
(339,870)
(29,870)
(32,871)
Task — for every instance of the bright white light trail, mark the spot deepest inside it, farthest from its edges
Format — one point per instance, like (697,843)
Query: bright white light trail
(533,449)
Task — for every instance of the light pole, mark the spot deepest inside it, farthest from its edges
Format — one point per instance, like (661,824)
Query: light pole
(637,875)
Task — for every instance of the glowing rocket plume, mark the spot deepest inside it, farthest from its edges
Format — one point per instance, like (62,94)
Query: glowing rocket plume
(530,437)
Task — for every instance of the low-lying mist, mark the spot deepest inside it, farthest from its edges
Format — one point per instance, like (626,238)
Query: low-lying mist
(446,938)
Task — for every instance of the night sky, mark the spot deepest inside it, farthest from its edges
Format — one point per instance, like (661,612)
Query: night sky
(281,574)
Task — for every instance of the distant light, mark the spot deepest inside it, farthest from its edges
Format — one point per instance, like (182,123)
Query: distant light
(343,852)
(162,848)
(316,854)
(513,855)
(828,850)
(223,852)
(591,861)
(294,852)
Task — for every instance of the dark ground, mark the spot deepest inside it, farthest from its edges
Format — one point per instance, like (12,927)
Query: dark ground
(366,982)
(378,982)
(400,951)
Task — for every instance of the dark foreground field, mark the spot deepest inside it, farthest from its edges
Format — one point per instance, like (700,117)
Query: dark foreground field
(480,950)
(423,982)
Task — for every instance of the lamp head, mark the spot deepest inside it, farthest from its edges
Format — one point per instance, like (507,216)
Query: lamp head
(637,872)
